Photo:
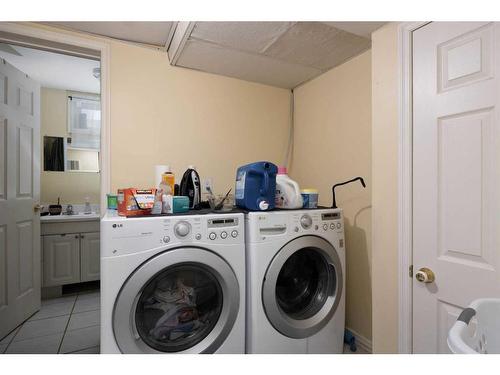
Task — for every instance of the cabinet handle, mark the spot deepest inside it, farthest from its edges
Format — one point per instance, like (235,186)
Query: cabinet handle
(81,236)
(76,235)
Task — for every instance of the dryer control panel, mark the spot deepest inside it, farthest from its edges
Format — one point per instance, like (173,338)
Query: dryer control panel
(328,223)
(312,221)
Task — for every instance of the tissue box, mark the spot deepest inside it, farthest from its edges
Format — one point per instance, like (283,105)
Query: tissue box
(135,202)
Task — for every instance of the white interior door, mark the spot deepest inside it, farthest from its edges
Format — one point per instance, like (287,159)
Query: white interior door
(19,193)
(456,174)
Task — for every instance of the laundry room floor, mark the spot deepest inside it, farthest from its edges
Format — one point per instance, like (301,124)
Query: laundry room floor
(67,324)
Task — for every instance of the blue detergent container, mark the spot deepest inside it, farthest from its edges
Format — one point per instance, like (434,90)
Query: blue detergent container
(256,186)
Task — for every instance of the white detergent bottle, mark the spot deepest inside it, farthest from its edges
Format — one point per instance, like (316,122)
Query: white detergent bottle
(287,191)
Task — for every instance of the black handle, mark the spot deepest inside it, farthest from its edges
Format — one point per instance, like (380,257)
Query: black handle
(466,315)
(334,204)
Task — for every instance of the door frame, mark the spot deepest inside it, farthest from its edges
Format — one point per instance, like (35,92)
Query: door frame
(46,33)
(405,184)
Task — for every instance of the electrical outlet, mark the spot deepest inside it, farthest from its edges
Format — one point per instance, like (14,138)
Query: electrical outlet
(208,184)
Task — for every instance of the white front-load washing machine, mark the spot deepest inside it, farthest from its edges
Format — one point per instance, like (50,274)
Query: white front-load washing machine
(173,284)
(295,281)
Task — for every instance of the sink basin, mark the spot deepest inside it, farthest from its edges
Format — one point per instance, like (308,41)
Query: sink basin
(64,217)
(78,214)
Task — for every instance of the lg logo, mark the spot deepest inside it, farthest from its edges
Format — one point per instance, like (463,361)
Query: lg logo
(117,225)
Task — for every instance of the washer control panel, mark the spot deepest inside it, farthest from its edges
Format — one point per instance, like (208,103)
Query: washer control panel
(223,228)
(129,235)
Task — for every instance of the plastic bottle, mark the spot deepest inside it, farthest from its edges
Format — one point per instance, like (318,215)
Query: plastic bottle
(256,186)
(168,182)
(287,191)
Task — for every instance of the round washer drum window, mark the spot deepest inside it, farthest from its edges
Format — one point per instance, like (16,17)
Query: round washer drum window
(304,283)
(178,308)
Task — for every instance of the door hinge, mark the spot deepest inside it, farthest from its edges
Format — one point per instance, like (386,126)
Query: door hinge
(410,271)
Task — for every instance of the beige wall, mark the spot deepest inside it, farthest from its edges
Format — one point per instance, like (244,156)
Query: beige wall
(385,189)
(166,115)
(333,144)
(71,187)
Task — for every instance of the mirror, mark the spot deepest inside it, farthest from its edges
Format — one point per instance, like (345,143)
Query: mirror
(53,154)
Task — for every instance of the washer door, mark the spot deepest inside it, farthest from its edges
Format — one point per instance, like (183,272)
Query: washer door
(302,287)
(184,300)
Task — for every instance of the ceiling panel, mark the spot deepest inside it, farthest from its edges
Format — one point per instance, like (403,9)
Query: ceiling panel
(251,67)
(363,29)
(245,36)
(154,33)
(317,45)
(283,54)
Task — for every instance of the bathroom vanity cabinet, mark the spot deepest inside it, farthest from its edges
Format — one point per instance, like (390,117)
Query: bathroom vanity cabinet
(70,252)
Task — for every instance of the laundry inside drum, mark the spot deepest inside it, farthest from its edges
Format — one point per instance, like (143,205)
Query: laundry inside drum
(178,307)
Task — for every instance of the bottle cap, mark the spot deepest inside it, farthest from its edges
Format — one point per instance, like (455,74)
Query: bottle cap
(282,170)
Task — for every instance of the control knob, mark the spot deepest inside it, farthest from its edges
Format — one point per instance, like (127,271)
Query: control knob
(182,229)
(306,221)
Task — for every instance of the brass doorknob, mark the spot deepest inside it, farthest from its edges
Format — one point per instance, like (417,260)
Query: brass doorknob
(37,207)
(425,275)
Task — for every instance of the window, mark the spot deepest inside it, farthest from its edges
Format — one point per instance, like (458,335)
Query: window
(84,120)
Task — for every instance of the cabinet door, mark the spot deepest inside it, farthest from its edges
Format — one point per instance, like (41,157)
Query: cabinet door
(61,259)
(90,256)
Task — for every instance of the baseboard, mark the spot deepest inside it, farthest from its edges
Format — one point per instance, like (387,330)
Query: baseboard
(362,342)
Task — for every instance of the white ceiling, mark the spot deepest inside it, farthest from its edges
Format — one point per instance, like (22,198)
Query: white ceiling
(154,33)
(283,54)
(55,70)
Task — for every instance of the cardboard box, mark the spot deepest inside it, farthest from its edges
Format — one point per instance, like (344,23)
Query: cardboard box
(135,202)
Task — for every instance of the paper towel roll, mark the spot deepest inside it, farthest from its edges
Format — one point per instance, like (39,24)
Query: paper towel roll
(159,170)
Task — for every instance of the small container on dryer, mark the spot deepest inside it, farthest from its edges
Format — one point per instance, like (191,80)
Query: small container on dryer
(309,198)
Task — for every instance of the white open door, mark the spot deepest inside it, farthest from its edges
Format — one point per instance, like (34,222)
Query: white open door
(19,196)
(456,174)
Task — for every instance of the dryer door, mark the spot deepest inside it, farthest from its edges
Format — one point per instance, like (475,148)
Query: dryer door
(302,287)
(184,300)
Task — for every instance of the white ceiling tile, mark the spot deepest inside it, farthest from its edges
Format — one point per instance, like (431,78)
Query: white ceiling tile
(155,33)
(363,29)
(251,67)
(245,36)
(317,45)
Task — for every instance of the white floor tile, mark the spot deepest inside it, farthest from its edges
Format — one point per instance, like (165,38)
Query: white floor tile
(43,327)
(52,310)
(89,294)
(87,304)
(7,339)
(39,345)
(93,350)
(2,348)
(84,319)
(63,299)
(81,339)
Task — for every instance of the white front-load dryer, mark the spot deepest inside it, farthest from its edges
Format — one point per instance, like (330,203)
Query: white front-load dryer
(173,284)
(295,281)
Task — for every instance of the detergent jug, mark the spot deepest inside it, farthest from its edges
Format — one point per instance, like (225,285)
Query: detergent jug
(256,186)
(287,191)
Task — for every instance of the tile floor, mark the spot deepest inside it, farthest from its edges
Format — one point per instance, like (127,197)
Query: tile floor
(68,324)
